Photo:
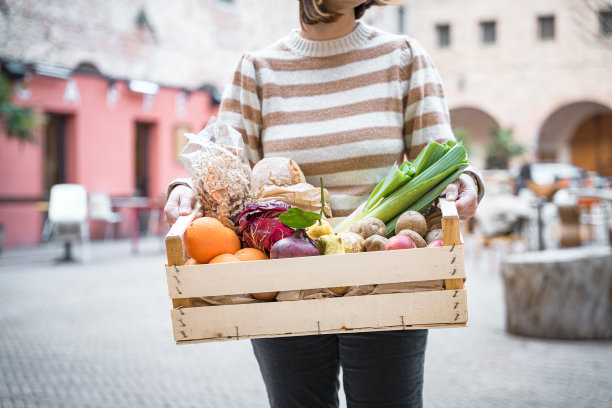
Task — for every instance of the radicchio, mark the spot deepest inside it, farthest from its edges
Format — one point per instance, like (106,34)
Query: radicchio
(259,224)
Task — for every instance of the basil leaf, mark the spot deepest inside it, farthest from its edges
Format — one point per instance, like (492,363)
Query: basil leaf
(298,218)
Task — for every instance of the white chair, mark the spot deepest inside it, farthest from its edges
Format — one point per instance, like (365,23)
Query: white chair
(101,209)
(67,220)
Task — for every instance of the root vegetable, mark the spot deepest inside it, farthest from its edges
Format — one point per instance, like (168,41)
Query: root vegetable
(435,243)
(433,235)
(437,225)
(369,226)
(296,246)
(400,242)
(352,242)
(412,220)
(418,240)
(375,243)
(433,219)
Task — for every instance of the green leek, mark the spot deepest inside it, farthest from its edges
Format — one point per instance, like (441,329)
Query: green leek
(412,184)
(426,200)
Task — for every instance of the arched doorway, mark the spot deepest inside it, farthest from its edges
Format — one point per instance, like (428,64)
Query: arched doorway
(579,133)
(477,126)
(591,144)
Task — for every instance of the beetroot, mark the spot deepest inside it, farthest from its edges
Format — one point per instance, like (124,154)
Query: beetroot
(293,247)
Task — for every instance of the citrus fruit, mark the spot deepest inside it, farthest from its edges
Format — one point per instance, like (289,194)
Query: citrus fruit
(223,258)
(206,238)
(251,254)
(191,261)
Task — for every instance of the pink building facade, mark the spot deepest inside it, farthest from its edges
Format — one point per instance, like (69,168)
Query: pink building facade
(112,139)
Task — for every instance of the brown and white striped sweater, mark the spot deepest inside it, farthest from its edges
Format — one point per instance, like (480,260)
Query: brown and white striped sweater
(344,109)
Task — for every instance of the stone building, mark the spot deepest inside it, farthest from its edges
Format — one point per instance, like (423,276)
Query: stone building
(541,68)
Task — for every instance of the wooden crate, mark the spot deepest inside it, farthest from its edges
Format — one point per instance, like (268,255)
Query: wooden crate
(398,311)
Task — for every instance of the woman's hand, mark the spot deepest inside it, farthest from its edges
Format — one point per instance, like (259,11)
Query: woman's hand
(465,194)
(180,202)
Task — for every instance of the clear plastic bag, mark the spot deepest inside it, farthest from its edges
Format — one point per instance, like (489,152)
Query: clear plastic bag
(217,162)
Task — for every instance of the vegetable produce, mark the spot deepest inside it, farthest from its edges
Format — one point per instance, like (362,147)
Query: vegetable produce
(352,242)
(343,243)
(411,220)
(434,219)
(412,186)
(418,240)
(319,228)
(375,243)
(260,226)
(435,243)
(399,242)
(369,226)
(330,245)
(295,246)
(297,218)
(433,235)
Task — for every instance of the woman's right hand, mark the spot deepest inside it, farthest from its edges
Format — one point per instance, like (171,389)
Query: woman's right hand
(180,202)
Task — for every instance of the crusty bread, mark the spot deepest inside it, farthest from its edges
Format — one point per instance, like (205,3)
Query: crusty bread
(278,171)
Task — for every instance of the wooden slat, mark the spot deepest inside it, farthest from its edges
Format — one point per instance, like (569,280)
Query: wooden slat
(406,265)
(451,235)
(174,249)
(339,331)
(321,316)
(174,239)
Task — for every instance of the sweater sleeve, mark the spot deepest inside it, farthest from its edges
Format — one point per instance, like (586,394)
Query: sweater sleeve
(426,114)
(241,107)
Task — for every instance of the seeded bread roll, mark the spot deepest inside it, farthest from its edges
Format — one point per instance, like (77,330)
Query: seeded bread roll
(277,171)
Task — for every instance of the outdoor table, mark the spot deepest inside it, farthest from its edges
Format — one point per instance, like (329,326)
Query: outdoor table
(134,206)
(589,197)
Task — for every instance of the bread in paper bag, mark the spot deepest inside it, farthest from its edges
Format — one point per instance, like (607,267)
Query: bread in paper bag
(275,171)
(302,195)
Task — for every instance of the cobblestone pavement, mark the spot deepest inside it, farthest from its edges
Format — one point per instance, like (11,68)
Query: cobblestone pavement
(99,335)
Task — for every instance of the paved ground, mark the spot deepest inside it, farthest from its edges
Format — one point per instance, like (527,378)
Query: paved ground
(99,335)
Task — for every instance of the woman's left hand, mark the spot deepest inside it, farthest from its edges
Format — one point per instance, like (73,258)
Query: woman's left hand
(465,194)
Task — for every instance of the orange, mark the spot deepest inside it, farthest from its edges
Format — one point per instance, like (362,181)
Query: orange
(251,254)
(223,258)
(206,238)
(233,242)
(191,261)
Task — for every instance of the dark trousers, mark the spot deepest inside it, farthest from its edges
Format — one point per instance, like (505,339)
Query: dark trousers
(380,369)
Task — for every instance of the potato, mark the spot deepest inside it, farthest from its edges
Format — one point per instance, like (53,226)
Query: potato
(412,220)
(434,219)
(418,240)
(433,235)
(352,242)
(369,226)
(375,243)
(437,225)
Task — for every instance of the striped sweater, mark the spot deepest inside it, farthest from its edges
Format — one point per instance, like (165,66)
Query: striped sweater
(344,109)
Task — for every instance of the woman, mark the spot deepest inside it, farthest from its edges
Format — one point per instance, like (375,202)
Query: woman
(345,101)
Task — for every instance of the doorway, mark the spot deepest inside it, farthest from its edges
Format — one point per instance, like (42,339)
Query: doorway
(142,158)
(55,167)
(592,145)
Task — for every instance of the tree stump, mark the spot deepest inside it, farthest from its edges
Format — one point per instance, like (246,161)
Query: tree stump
(561,294)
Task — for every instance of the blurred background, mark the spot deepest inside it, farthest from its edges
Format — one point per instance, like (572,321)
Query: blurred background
(101,93)
(95,99)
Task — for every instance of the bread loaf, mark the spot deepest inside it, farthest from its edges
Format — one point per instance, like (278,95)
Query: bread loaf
(275,171)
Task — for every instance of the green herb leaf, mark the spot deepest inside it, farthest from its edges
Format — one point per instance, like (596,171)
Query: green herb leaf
(298,218)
